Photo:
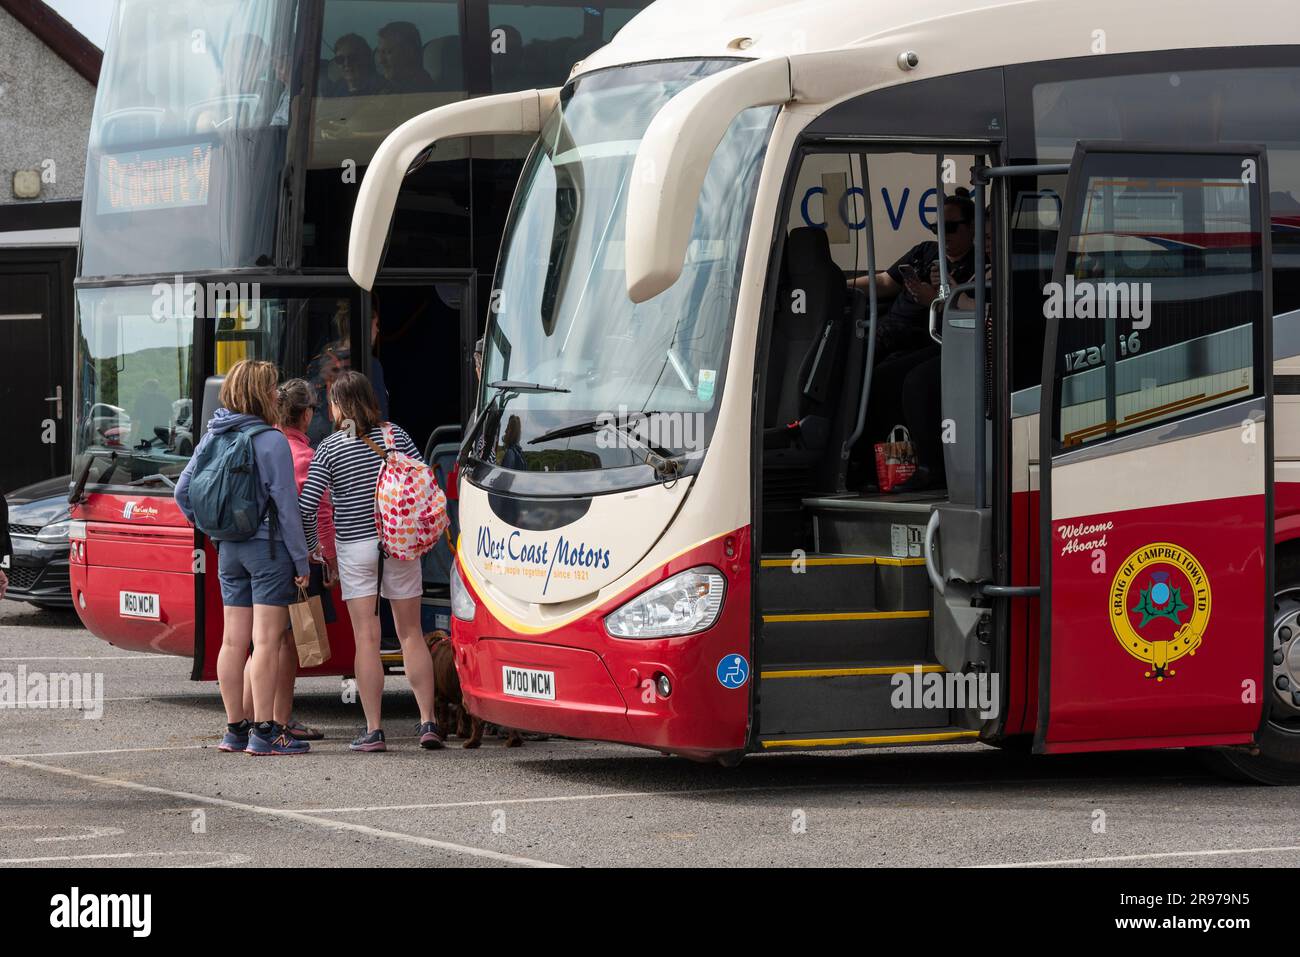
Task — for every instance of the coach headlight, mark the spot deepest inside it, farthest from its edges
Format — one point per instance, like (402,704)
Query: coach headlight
(687,603)
(462,603)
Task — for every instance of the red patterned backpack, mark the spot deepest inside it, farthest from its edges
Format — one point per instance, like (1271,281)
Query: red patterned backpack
(410,508)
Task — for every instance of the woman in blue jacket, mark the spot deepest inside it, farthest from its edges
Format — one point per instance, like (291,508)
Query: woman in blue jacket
(259,577)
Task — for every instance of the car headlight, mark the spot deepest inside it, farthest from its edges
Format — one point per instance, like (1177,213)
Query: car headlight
(462,603)
(687,603)
(54,534)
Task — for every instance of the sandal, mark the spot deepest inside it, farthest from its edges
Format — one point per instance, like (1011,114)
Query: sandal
(303,732)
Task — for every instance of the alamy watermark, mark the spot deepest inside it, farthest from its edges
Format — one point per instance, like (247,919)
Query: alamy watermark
(38,691)
(206,300)
(923,689)
(623,429)
(1085,299)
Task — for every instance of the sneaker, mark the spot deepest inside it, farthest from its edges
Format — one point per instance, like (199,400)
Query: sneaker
(303,732)
(277,742)
(232,741)
(285,743)
(259,742)
(431,737)
(370,741)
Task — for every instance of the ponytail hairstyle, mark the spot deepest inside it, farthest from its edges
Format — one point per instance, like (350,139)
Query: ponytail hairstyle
(354,398)
(293,399)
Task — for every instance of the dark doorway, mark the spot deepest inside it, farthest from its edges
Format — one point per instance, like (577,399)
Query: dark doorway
(35,366)
(422,349)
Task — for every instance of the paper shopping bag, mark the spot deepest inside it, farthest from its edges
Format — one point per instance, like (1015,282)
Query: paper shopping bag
(308,620)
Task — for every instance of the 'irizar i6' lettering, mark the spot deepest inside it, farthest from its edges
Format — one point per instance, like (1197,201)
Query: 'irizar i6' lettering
(565,553)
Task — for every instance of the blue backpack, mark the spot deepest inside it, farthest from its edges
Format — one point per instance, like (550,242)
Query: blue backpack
(224,486)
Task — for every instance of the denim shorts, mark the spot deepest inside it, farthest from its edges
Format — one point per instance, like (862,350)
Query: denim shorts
(250,576)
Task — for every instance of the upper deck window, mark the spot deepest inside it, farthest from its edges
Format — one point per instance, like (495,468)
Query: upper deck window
(381,63)
(189,137)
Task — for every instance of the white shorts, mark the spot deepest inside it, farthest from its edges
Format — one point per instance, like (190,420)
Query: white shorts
(359,572)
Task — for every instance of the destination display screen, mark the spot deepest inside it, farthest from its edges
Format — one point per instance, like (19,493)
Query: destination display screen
(143,180)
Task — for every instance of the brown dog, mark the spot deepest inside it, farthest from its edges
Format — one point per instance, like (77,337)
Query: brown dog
(447,696)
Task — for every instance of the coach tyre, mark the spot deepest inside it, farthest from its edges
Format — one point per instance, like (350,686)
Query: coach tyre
(1278,758)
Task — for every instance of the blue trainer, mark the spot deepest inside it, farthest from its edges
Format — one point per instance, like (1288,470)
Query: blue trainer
(233,741)
(277,741)
(370,741)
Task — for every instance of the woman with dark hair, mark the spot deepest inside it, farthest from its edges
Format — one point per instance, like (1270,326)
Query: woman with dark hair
(347,465)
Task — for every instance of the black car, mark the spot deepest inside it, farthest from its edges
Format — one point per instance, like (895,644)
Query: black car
(38,524)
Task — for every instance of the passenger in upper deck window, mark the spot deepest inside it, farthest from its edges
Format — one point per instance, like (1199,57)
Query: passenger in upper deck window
(400,57)
(356,66)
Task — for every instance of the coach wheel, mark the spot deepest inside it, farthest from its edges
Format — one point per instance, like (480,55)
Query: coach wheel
(1278,757)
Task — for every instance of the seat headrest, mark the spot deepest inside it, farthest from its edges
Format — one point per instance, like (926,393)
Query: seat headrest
(808,249)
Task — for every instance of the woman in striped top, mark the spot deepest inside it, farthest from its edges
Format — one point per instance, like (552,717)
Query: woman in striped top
(348,468)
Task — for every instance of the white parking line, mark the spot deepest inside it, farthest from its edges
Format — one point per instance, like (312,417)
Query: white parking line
(222,859)
(1162,855)
(75,754)
(611,795)
(283,814)
(90,832)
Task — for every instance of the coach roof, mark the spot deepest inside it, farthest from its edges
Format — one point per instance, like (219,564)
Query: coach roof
(949,36)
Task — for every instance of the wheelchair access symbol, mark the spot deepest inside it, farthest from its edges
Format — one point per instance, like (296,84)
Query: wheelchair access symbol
(733,671)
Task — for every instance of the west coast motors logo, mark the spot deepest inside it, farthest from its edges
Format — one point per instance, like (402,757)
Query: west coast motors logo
(133,510)
(1160,606)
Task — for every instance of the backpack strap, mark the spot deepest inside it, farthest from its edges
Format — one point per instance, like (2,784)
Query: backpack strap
(374,448)
(270,513)
(383,454)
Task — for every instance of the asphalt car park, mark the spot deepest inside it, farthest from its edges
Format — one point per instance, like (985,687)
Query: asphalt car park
(143,784)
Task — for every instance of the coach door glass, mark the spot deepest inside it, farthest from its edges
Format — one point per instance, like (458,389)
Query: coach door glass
(313,337)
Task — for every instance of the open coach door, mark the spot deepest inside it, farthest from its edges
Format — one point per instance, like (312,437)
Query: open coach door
(1157,453)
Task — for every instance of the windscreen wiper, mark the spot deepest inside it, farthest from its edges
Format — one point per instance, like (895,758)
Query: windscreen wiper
(77,493)
(667,466)
(505,390)
(159,477)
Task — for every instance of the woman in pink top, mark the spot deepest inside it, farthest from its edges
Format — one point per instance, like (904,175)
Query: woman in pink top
(295,408)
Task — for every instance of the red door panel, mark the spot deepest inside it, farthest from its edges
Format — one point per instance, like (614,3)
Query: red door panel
(1156,446)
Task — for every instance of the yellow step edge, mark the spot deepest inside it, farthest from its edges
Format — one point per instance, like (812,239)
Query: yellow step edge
(391,658)
(847,616)
(878,739)
(901,562)
(837,560)
(850,672)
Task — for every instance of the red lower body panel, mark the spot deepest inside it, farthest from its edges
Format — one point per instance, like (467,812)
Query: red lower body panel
(1163,646)
(605,687)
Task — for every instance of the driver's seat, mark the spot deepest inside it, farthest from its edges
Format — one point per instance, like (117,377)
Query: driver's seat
(806,358)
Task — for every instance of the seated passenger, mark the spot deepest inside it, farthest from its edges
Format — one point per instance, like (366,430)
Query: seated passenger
(509,72)
(922,393)
(913,281)
(903,340)
(356,64)
(400,57)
